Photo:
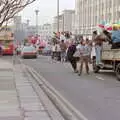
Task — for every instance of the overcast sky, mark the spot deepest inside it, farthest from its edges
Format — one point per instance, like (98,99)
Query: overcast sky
(47,10)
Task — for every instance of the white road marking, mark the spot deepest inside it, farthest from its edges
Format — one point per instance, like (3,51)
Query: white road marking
(100,78)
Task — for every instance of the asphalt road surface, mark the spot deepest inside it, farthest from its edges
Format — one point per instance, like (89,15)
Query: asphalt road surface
(96,96)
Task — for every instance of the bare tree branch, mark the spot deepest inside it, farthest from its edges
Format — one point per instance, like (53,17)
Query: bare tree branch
(9,8)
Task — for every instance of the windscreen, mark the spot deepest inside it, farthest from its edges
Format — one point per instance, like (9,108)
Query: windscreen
(28,49)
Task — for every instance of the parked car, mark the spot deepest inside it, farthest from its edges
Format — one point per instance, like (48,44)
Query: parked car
(29,52)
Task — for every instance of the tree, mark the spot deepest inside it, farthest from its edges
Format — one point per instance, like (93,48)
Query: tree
(9,8)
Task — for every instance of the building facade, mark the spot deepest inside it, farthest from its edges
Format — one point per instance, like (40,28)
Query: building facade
(20,29)
(90,13)
(65,21)
(45,31)
(32,30)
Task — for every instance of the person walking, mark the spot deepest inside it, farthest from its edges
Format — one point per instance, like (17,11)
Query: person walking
(53,51)
(84,53)
(70,55)
(63,47)
(89,45)
(58,51)
(1,50)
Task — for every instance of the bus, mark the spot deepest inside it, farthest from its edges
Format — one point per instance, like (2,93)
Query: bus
(6,40)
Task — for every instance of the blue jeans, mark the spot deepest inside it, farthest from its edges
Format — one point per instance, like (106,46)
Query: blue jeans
(63,55)
(98,54)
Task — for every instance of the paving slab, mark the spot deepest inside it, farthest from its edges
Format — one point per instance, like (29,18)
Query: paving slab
(36,118)
(36,115)
(5,65)
(7,85)
(33,107)
(9,105)
(32,100)
(11,118)
(6,73)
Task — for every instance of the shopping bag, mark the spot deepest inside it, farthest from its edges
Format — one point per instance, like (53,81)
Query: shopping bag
(77,54)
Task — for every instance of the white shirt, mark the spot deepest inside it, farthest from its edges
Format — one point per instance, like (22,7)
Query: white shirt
(53,48)
(58,47)
(62,37)
(78,46)
(93,53)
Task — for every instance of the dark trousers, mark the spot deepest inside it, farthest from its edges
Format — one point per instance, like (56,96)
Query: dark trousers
(73,62)
(53,54)
(59,56)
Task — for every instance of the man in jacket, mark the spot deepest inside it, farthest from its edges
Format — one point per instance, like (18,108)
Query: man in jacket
(70,55)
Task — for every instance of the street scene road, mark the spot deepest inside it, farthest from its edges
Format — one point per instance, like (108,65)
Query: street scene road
(43,48)
(96,96)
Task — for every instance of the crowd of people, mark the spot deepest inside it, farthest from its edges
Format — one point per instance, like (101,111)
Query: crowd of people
(74,52)
(83,52)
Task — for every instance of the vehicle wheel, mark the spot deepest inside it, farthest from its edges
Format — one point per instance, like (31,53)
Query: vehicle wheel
(35,57)
(95,67)
(117,71)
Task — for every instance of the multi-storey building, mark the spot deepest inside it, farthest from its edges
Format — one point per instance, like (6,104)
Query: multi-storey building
(45,31)
(32,30)
(90,13)
(20,29)
(65,21)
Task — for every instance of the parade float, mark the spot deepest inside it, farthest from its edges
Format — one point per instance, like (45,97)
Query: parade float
(109,57)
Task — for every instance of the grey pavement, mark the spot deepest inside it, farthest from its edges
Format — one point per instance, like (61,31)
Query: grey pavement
(9,105)
(96,96)
(18,98)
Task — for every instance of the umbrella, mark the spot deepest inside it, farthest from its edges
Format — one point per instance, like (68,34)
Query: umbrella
(108,27)
(101,26)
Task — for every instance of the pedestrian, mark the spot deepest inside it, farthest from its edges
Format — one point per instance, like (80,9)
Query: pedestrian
(98,48)
(89,45)
(1,50)
(84,53)
(70,55)
(93,53)
(63,47)
(53,51)
(58,51)
(62,37)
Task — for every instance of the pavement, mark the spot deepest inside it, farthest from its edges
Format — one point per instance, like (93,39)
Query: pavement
(96,96)
(19,99)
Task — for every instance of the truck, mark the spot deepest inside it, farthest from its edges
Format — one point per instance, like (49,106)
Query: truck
(110,59)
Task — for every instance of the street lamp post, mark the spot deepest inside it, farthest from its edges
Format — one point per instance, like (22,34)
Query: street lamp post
(28,21)
(58,16)
(36,12)
(63,23)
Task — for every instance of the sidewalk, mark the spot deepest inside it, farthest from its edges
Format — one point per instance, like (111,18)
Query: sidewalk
(9,105)
(18,98)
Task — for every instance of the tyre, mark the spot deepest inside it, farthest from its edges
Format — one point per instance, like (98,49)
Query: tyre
(96,68)
(35,57)
(117,72)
